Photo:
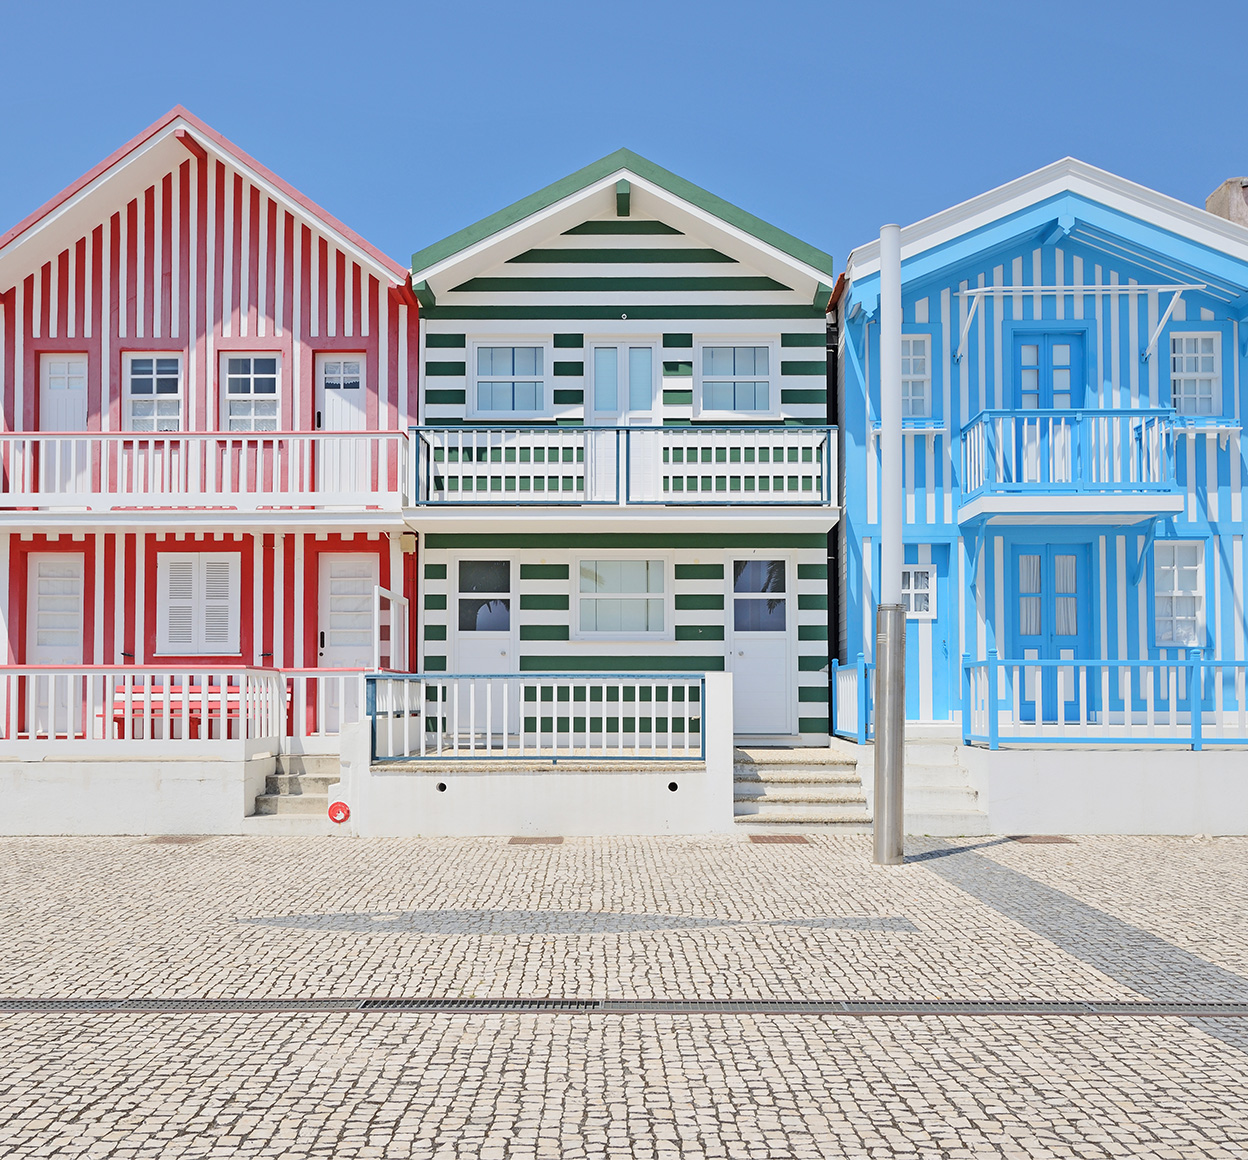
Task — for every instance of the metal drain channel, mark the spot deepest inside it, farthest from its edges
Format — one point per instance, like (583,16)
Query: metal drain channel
(400,1004)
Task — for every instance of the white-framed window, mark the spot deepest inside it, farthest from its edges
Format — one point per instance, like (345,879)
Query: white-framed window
(916,377)
(197,603)
(154,392)
(1179,593)
(621,597)
(510,380)
(1195,373)
(249,391)
(918,591)
(736,380)
(622,379)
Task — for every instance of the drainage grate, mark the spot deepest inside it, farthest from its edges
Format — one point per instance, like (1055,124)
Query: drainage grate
(536,842)
(780,839)
(1042,839)
(434,1005)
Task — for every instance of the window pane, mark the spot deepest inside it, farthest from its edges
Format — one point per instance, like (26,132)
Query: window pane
(1029,615)
(485,576)
(1029,573)
(1030,355)
(753,615)
(1061,354)
(640,378)
(1064,574)
(606,379)
(758,576)
(485,615)
(717,360)
(1067,616)
(717,396)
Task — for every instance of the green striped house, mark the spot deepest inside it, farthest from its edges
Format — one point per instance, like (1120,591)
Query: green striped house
(623,461)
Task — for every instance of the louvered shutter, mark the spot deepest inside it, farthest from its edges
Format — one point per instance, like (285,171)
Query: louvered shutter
(220,572)
(175,579)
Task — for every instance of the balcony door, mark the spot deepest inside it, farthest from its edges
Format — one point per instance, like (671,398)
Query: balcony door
(1052,608)
(760,646)
(622,392)
(341,405)
(64,464)
(1048,376)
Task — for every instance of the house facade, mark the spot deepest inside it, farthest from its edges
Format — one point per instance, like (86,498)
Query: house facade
(1072,366)
(206,383)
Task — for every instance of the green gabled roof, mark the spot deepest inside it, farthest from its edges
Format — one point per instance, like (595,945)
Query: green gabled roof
(612,163)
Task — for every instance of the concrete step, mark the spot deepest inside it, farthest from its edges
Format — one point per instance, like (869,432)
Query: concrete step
(931,753)
(812,811)
(804,758)
(768,793)
(946,823)
(941,797)
(315,764)
(300,783)
(845,823)
(747,774)
(288,826)
(268,804)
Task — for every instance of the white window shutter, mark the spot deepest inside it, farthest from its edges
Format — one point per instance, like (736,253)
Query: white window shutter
(175,580)
(221,585)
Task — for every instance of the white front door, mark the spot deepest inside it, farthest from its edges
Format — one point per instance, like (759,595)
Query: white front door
(345,632)
(483,620)
(760,629)
(54,637)
(63,463)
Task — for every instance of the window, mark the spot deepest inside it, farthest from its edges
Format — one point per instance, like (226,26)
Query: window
(250,395)
(1194,374)
(491,610)
(636,375)
(509,378)
(154,392)
(621,596)
(758,603)
(197,603)
(1179,583)
(918,591)
(736,378)
(915,378)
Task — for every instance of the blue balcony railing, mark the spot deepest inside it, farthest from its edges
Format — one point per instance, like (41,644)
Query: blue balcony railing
(1056,451)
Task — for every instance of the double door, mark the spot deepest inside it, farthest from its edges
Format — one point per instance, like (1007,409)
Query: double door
(1051,622)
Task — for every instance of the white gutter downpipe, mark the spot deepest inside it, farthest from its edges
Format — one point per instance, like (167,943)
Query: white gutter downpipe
(890,618)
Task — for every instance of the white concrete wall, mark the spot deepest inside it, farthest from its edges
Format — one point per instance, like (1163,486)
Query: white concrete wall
(130,796)
(588,801)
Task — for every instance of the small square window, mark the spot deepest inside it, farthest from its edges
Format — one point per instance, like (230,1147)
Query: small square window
(736,378)
(510,378)
(918,591)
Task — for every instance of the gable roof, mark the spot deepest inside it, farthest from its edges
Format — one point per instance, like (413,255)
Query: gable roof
(1070,197)
(621,163)
(186,132)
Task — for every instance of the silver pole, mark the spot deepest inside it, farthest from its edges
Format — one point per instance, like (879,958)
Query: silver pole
(890,653)
(890,734)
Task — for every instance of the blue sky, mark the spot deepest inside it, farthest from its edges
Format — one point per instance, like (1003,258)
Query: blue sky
(411,120)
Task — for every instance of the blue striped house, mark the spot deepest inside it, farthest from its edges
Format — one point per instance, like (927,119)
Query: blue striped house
(1073,350)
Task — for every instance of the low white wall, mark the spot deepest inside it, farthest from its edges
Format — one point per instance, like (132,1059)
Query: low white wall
(130,796)
(593,800)
(1117,791)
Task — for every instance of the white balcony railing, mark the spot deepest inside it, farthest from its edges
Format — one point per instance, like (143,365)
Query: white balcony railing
(1038,452)
(108,471)
(483,466)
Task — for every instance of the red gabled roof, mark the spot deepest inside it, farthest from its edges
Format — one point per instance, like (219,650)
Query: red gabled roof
(178,113)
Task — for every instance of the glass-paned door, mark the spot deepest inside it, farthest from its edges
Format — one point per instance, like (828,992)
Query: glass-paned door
(1048,376)
(1052,604)
(759,647)
(484,643)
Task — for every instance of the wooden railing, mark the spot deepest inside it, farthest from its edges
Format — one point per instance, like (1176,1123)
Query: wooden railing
(1068,451)
(600,717)
(105,471)
(1184,701)
(624,465)
(852,708)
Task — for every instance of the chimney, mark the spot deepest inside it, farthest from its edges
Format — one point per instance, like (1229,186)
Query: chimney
(1230,200)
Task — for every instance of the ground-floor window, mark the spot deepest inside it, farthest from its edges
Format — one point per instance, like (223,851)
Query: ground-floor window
(1179,589)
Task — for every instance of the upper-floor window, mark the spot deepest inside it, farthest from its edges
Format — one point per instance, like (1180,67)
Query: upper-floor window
(1049,371)
(1194,374)
(249,400)
(916,379)
(153,392)
(510,379)
(737,378)
(1179,583)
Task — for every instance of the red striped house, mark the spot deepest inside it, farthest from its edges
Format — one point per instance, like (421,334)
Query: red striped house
(205,383)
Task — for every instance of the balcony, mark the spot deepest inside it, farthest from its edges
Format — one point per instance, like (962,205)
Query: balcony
(1073,466)
(641,469)
(232,471)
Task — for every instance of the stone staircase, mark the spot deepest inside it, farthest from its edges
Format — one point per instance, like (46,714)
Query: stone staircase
(799,789)
(296,797)
(939,799)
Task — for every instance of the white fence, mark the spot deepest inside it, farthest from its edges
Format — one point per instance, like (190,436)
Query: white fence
(1107,451)
(108,470)
(111,711)
(556,715)
(625,465)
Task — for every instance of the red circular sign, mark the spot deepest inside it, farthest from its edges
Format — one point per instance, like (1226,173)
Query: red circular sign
(339,812)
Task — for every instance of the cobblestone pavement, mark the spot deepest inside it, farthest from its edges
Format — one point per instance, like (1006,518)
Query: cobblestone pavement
(1105,918)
